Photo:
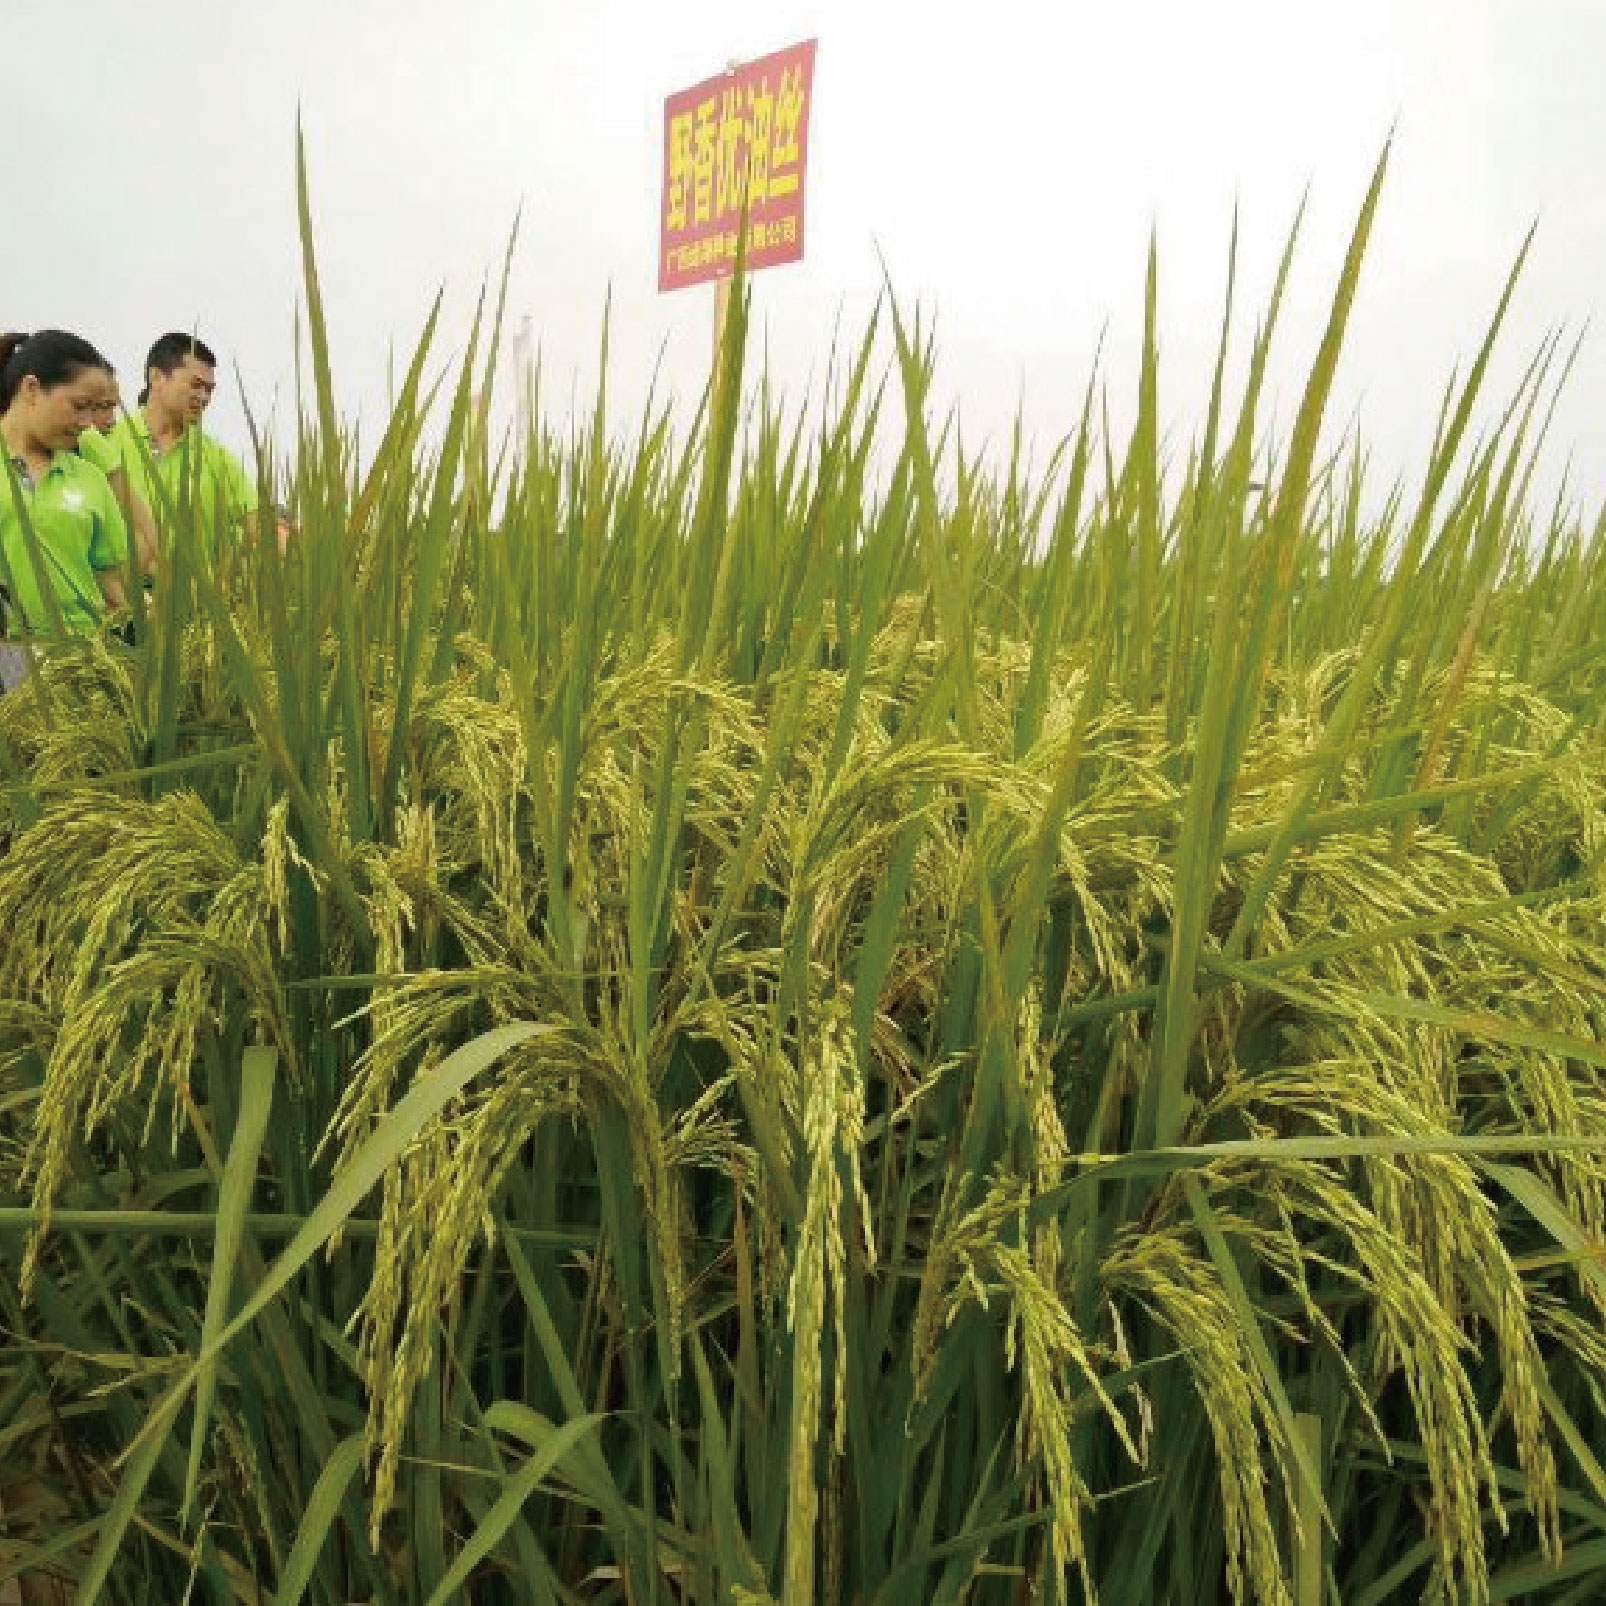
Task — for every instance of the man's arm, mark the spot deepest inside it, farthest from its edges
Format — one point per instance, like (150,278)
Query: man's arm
(243,494)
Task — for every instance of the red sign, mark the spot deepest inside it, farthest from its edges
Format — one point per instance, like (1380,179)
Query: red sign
(741,138)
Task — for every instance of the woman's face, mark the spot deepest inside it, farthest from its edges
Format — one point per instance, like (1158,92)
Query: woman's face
(57,416)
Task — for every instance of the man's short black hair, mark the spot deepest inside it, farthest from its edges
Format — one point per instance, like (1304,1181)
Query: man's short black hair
(169,353)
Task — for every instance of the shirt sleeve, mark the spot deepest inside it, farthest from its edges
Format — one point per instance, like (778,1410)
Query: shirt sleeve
(100,450)
(108,546)
(242,486)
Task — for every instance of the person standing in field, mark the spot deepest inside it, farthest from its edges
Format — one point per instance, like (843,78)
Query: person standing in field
(97,446)
(63,542)
(180,470)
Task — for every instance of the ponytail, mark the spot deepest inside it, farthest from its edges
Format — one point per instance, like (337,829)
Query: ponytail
(52,356)
(9,346)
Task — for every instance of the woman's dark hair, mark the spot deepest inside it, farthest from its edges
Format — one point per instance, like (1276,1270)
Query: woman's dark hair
(169,353)
(52,356)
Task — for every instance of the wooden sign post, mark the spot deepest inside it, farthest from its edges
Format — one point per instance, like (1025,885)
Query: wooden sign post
(722,312)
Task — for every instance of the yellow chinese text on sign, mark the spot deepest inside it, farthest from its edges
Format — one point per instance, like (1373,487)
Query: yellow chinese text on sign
(741,139)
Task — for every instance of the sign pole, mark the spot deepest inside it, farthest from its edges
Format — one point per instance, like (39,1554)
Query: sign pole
(722,311)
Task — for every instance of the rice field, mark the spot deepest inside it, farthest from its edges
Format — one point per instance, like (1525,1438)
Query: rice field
(721,1014)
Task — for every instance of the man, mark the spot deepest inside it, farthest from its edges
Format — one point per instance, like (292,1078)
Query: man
(171,461)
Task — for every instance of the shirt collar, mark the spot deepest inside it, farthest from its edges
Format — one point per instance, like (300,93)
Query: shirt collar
(190,432)
(59,464)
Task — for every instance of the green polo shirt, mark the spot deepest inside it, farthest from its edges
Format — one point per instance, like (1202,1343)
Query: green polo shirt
(80,531)
(219,483)
(100,450)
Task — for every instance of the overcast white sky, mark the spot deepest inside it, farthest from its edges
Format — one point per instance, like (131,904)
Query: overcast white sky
(1009,158)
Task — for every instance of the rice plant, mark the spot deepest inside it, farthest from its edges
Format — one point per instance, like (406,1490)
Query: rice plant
(727,1015)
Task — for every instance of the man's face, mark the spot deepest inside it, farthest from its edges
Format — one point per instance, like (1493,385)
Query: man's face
(187,390)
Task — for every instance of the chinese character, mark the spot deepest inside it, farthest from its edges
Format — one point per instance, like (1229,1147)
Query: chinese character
(760,121)
(730,245)
(786,156)
(703,163)
(728,168)
(789,229)
(680,126)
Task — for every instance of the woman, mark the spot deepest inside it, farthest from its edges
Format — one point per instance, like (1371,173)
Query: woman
(96,445)
(66,576)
